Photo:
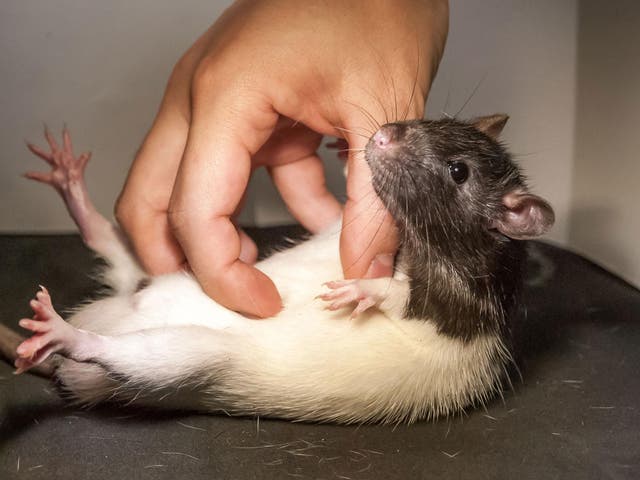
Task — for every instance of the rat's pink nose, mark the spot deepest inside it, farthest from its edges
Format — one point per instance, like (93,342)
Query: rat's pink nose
(387,135)
(382,138)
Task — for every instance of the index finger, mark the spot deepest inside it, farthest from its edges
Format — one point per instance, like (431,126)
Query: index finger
(209,186)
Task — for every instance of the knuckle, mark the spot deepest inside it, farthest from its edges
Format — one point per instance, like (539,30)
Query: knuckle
(184,66)
(204,75)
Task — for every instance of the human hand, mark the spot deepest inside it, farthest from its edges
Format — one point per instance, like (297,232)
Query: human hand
(260,88)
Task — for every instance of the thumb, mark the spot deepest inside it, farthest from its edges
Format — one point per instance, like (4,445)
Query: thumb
(369,238)
(213,175)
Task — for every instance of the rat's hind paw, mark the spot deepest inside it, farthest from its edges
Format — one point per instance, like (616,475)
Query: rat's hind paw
(65,166)
(51,333)
(346,292)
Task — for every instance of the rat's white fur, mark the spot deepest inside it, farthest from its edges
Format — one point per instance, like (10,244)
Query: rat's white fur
(171,345)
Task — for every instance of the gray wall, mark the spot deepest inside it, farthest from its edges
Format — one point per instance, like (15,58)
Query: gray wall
(522,54)
(605,224)
(101,67)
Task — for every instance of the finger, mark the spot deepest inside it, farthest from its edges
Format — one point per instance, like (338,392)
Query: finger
(40,177)
(47,157)
(50,139)
(34,326)
(302,186)
(40,309)
(83,160)
(29,348)
(213,176)
(143,204)
(248,248)
(44,296)
(66,141)
(22,365)
(369,236)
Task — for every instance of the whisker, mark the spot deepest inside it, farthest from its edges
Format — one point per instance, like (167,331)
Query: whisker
(446,103)
(386,76)
(373,196)
(351,150)
(370,118)
(413,89)
(395,100)
(470,96)
(371,193)
(340,129)
(380,209)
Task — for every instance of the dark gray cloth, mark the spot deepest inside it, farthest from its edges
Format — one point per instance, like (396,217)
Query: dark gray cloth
(574,414)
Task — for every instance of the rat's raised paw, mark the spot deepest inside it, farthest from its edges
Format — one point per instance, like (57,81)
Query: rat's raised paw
(66,168)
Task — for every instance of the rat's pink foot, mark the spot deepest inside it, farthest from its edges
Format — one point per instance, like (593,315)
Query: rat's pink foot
(66,168)
(347,292)
(51,334)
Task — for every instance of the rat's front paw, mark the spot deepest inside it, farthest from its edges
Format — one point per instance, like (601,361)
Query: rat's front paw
(51,333)
(346,292)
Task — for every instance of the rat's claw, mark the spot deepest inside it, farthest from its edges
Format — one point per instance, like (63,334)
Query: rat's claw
(22,366)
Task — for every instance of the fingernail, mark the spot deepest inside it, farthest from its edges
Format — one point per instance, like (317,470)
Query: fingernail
(381,266)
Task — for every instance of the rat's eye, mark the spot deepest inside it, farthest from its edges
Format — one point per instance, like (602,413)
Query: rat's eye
(459,172)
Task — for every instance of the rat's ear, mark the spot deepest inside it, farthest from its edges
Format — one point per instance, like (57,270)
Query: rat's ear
(525,216)
(491,125)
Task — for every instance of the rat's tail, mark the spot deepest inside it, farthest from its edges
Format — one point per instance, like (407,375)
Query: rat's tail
(9,341)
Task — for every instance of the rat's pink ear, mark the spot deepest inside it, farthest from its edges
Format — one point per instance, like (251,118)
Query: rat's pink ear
(526,216)
(491,125)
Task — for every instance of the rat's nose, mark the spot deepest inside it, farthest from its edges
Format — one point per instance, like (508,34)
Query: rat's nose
(387,135)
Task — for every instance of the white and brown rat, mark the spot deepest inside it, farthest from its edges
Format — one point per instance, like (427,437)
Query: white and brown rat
(430,341)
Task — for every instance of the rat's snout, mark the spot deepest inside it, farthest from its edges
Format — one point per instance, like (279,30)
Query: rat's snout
(388,135)
(386,143)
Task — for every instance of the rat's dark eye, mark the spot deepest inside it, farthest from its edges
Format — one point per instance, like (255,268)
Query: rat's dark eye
(459,172)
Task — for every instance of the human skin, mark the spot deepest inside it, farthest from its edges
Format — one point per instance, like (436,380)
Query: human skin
(260,88)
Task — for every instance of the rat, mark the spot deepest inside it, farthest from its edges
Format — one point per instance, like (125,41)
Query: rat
(431,340)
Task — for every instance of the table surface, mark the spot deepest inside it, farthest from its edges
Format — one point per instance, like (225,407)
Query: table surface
(574,413)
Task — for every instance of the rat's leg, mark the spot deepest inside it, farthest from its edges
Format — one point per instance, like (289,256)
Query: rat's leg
(103,237)
(149,359)
(389,295)
(51,335)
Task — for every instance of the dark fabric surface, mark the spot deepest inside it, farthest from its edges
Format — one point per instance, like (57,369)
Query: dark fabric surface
(574,413)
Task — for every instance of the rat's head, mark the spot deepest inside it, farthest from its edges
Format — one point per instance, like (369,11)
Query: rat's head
(452,180)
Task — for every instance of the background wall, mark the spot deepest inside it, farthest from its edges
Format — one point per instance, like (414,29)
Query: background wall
(605,223)
(99,66)
(102,66)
